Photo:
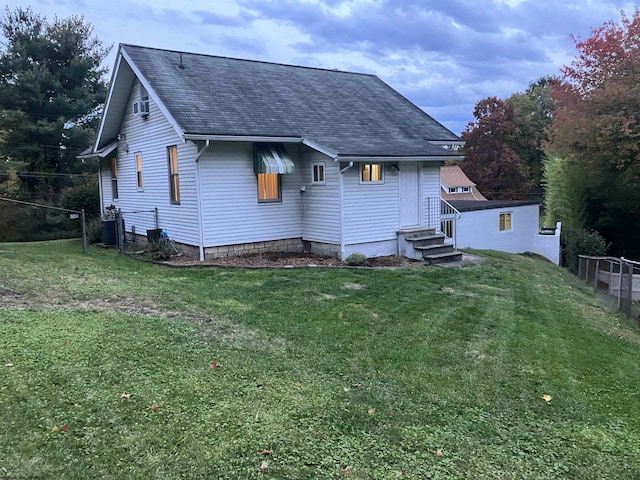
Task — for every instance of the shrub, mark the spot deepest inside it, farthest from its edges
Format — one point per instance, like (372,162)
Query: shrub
(80,197)
(94,230)
(159,250)
(582,242)
(357,259)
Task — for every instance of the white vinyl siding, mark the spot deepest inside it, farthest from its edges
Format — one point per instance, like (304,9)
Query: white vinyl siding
(231,211)
(106,182)
(321,203)
(370,209)
(152,136)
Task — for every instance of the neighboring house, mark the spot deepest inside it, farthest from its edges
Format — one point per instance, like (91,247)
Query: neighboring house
(456,185)
(239,156)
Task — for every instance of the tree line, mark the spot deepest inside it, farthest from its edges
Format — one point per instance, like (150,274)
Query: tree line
(573,140)
(52,87)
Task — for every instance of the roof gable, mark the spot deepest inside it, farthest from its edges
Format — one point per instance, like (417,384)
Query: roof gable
(350,114)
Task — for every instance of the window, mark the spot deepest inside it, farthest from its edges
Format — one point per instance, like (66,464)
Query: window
(269,187)
(371,173)
(505,221)
(453,190)
(317,173)
(114,178)
(174,178)
(466,189)
(139,169)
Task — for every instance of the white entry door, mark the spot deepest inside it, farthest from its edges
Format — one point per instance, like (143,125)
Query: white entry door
(409,195)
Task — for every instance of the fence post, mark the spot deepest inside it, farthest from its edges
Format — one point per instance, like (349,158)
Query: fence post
(595,277)
(155,217)
(620,275)
(610,281)
(84,231)
(579,267)
(630,299)
(120,231)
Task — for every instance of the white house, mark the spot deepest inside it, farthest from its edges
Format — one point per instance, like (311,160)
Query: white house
(457,186)
(241,156)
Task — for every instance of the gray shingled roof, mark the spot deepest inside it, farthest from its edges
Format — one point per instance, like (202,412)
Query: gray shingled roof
(347,113)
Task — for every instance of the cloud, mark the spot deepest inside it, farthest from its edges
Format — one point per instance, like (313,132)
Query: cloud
(442,55)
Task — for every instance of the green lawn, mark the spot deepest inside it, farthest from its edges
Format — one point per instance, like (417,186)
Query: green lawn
(423,372)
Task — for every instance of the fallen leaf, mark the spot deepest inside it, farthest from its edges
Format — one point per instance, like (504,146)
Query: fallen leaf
(346,470)
(356,385)
(214,365)
(439,452)
(399,473)
(65,428)
(297,385)
(371,411)
(155,407)
(392,413)
(266,452)
(547,397)
(55,428)
(125,395)
(9,365)
(264,466)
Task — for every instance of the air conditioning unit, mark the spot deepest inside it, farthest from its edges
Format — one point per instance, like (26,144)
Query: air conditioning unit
(141,108)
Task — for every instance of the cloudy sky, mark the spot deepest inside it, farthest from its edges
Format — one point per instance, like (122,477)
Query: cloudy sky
(444,55)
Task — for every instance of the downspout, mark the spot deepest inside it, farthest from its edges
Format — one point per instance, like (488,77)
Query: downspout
(100,186)
(347,167)
(341,202)
(199,197)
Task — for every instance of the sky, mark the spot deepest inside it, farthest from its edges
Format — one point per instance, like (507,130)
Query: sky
(443,55)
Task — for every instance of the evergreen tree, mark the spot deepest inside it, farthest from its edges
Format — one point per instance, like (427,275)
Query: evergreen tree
(51,87)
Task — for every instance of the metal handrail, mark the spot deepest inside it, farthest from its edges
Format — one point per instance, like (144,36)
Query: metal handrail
(441,213)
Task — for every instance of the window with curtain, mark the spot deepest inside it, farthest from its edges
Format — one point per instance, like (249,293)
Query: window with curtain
(139,169)
(371,173)
(269,187)
(174,177)
(505,221)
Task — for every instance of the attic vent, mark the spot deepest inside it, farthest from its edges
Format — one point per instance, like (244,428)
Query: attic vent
(181,65)
(141,108)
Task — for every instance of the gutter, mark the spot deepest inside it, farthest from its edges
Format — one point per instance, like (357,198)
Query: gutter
(240,138)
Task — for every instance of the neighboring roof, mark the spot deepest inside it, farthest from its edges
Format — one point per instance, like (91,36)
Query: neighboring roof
(348,114)
(471,205)
(453,176)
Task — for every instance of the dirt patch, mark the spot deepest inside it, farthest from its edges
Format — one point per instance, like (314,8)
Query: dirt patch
(284,260)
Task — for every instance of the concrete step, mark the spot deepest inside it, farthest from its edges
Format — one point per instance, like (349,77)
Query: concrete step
(427,240)
(412,233)
(443,258)
(433,249)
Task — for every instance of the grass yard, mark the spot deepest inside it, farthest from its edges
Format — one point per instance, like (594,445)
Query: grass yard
(413,373)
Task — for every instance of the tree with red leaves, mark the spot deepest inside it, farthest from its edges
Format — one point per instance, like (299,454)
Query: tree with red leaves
(490,161)
(596,130)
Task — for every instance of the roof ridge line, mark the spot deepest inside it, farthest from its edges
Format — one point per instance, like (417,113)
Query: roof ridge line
(209,55)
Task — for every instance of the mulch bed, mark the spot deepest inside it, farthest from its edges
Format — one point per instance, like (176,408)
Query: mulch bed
(290,260)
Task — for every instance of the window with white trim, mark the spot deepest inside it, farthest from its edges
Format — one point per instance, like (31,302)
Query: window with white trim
(317,173)
(174,177)
(505,221)
(114,178)
(371,173)
(269,188)
(138,156)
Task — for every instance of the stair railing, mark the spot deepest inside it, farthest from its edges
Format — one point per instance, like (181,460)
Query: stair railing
(442,216)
